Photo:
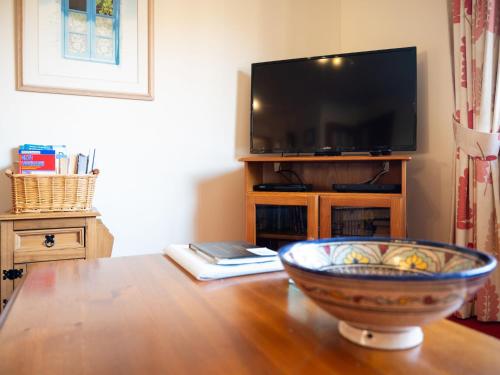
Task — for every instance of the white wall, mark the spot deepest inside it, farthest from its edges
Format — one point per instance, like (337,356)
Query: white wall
(367,25)
(169,169)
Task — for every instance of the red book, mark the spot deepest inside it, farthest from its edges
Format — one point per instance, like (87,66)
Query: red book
(31,162)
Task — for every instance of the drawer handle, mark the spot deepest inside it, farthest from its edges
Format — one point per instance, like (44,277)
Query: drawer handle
(49,240)
(12,274)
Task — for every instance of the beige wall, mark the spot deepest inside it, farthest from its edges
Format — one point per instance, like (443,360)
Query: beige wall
(367,25)
(169,169)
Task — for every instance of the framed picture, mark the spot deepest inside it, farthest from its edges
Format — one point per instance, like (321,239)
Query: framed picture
(85,47)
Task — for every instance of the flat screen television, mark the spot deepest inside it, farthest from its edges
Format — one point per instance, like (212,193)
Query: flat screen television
(364,101)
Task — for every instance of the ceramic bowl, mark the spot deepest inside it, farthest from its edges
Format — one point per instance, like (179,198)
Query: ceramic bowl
(383,289)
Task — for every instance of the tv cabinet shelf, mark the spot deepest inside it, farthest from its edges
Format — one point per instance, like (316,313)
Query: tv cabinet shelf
(323,193)
(311,158)
(276,218)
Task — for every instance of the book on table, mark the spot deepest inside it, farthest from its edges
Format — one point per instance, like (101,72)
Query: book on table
(233,252)
(203,269)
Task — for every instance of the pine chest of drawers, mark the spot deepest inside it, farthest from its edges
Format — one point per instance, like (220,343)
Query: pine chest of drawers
(43,237)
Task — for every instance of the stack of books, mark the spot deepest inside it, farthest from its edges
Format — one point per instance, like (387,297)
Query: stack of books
(52,159)
(217,260)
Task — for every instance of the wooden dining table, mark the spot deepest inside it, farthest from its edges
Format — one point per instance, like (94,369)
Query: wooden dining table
(145,315)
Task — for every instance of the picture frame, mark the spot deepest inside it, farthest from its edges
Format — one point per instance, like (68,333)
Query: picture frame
(79,47)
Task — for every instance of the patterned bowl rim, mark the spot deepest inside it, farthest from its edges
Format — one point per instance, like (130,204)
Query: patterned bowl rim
(490,262)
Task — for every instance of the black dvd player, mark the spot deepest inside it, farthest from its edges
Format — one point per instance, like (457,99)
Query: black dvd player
(368,188)
(282,187)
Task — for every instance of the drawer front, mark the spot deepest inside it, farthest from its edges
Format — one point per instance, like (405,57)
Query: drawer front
(71,222)
(49,244)
(32,256)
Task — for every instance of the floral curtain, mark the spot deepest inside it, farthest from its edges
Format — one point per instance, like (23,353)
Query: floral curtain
(476,26)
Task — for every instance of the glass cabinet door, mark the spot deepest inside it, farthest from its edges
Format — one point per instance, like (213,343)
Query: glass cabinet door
(367,217)
(360,221)
(275,221)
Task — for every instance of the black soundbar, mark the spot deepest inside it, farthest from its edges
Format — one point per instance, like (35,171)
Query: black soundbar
(368,188)
(282,187)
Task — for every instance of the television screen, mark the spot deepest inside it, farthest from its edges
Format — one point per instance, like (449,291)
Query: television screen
(362,101)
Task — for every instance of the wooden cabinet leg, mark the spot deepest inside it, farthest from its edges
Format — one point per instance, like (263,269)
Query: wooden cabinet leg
(6,259)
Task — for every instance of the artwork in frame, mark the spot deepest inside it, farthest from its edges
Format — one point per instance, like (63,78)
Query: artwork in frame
(85,47)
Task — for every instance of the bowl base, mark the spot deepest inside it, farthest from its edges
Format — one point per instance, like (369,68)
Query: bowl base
(406,339)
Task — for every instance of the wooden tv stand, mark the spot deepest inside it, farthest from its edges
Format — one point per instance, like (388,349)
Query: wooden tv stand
(275,218)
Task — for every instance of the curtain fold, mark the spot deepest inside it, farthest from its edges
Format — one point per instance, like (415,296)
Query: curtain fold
(476,124)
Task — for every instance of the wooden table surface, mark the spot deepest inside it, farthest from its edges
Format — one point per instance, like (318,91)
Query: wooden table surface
(143,315)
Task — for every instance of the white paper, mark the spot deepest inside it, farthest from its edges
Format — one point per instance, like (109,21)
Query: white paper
(202,269)
(262,251)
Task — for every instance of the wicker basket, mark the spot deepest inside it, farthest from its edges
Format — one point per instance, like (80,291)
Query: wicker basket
(49,193)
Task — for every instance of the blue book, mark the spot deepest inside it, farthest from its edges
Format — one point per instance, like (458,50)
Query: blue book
(38,152)
(33,147)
